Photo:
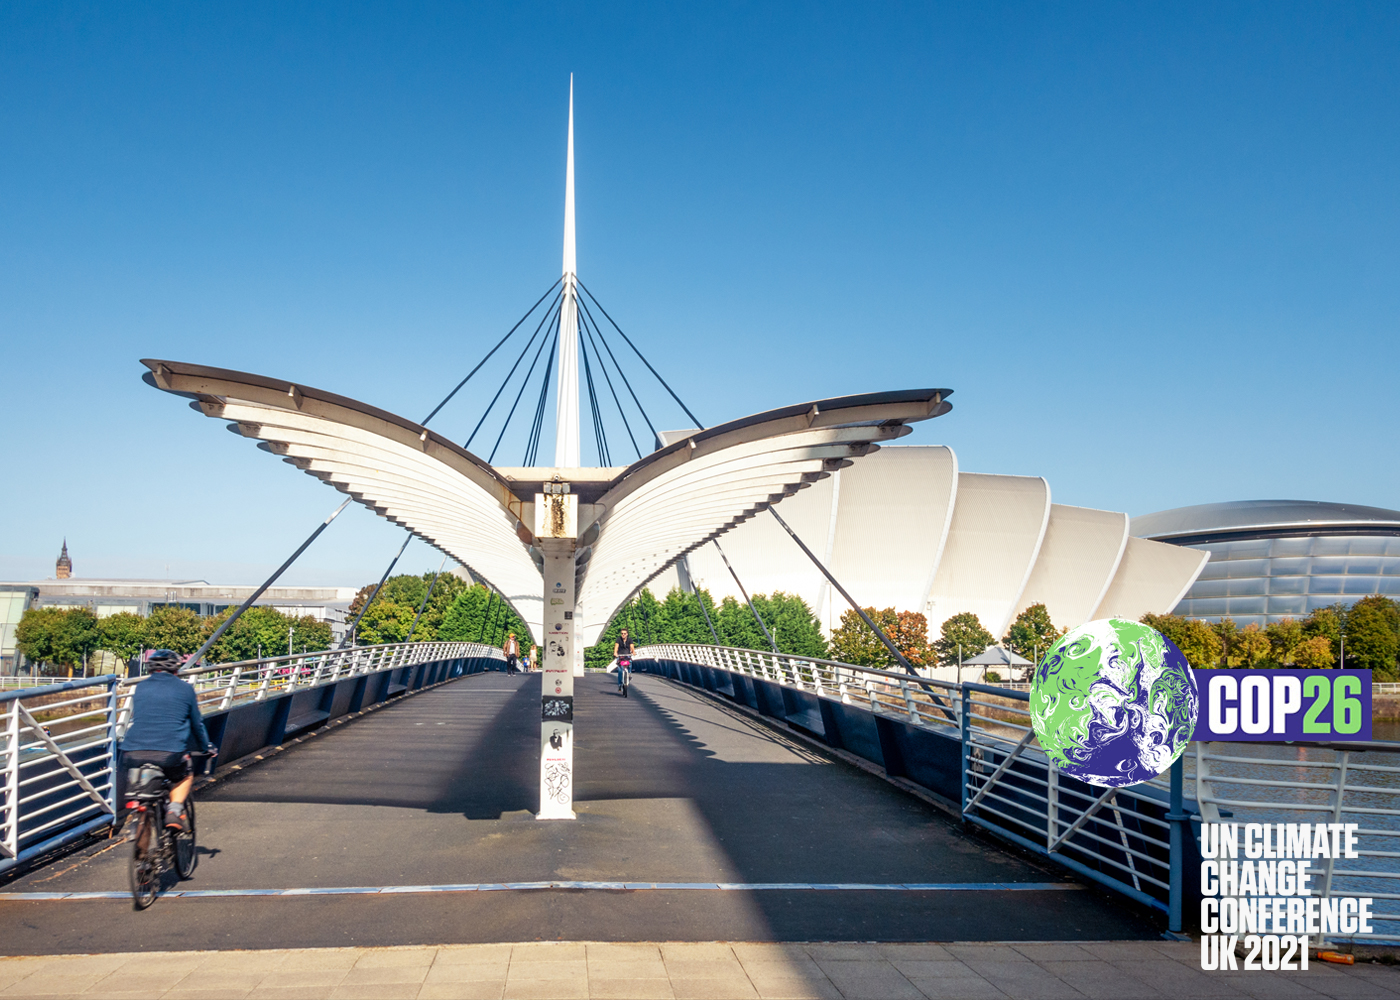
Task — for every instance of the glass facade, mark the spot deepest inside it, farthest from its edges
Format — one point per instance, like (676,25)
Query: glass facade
(1265,579)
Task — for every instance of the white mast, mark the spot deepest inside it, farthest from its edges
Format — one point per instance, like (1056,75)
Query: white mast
(566,419)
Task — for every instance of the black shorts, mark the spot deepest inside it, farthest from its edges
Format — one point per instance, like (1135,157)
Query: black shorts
(176,765)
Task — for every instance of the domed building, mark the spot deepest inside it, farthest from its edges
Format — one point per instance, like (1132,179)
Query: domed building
(1272,559)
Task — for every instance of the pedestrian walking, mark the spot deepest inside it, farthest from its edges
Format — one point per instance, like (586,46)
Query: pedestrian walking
(512,651)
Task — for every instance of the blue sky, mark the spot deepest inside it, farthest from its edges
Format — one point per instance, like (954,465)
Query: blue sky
(1153,248)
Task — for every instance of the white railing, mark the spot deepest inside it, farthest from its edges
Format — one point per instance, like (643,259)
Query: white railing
(1118,836)
(58,742)
(224,686)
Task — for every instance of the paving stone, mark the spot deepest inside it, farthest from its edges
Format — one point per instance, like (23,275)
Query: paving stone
(1056,953)
(1095,979)
(393,958)
(713,989)
(985,953)
(376,991)
(463,991)
(468,972)
(876,979)
(687,951)
(549,951)
(651,988)
(385,974)
(566,969)
(1025,979)
(467,954)
(914,952)
(547,989)
(968,987)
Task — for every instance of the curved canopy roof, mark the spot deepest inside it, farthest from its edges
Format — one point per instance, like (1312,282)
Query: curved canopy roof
(1255,518)
(633,522)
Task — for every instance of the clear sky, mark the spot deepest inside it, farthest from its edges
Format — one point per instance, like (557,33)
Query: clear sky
(1153,247)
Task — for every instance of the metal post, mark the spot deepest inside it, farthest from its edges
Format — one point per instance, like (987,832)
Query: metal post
(1336,818)
(1178,818)
(113,754)
(966,737)
(11,841)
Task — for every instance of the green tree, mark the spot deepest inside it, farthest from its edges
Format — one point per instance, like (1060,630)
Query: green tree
(794,627)
(1314,653)
(477,614)
(1284,637)
(122,634)
(36,634)
(62,637)
(1195,638)
(1372,635)
(1226,631)
(965,631)
(1252,645)
(1032,634)
(854,642)
(1330,623)
(264,630)
(176,628)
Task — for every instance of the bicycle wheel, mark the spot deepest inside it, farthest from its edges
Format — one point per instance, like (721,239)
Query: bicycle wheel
(186,857)
(142,871)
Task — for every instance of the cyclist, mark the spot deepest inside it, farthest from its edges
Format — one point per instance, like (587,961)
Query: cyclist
(165,727)
(622,652)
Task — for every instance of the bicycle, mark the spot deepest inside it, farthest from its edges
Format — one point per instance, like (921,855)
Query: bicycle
(156,849)
(624,673)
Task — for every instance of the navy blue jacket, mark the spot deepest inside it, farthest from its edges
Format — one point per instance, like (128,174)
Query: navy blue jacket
(165,716)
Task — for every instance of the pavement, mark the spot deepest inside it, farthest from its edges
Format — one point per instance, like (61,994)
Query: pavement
(696,823)
(1117,970)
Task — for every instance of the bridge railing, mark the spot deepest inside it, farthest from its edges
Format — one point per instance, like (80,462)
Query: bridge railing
(59,774)
(972,748)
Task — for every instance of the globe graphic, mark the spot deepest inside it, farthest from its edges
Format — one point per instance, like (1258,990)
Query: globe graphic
(1114,703)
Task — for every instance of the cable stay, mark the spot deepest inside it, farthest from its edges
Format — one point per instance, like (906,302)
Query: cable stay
(532,447)
(640,355)
(620,412)
(523,386)
(740,584)
(493,350)
(544,322)
(426,598)
(608,347)
(600,433)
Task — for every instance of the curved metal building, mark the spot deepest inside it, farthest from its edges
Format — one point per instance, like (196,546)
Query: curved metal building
(1271,559)
(904,528)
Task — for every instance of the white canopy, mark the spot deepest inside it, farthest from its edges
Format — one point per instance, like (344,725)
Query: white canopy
(997,656)
(633,522)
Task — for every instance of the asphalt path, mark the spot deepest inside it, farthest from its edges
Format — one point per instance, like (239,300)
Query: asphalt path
(440,789)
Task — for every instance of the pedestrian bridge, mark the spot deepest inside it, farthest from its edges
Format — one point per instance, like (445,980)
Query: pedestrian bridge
(735,796)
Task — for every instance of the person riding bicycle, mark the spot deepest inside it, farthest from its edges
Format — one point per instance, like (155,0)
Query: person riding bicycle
(166,727)
(623,650)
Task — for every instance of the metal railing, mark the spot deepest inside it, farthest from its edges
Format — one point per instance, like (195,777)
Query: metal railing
(58,742)
(226,685)
(1132,839)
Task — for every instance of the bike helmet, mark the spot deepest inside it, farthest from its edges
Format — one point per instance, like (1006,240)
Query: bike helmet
(164,659)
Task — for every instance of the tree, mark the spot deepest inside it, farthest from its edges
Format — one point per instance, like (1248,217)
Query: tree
(264,631)
(1196,639)
(122,634)
(1251,645)
(962,636)
(1032,633)
(1314,653)
(1226,630)
(1372,636)
(64,637)
(853,641)
(1284,637)
(794,627)
(1330,623)
(476,614)
(175,628)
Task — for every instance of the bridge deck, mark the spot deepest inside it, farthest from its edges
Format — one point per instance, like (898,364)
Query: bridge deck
(439,790)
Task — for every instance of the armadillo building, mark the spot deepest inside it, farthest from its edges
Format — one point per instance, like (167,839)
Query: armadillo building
(1272,559)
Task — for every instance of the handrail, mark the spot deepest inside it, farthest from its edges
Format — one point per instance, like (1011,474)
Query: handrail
(1131,839)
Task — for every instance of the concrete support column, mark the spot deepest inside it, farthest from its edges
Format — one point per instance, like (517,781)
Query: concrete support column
(556,525)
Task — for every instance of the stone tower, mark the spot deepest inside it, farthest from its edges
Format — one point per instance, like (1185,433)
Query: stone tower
(63,569)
